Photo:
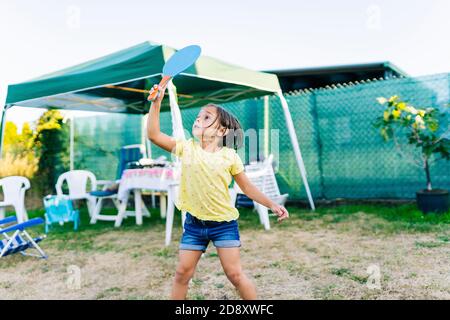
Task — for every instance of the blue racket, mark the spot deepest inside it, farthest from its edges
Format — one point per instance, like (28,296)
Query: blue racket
(177,63)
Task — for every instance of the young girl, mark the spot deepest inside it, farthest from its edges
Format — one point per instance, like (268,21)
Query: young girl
(207,167)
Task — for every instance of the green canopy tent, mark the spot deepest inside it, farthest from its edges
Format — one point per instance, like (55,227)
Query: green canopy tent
(119,83)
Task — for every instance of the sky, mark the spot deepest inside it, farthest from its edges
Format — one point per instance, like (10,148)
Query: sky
(39,37)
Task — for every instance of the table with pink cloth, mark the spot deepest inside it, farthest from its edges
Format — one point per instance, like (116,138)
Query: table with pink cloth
(164,179)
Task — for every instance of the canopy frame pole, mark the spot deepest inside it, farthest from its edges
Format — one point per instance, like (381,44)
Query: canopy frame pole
(72,141)
(177,121)
(266,126)
(175,113)
(2,126)
(295,146)
(144,140)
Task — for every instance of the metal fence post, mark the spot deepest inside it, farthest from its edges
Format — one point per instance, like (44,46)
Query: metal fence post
(2,127)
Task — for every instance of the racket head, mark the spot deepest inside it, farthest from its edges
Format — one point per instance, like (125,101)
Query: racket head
(181,60)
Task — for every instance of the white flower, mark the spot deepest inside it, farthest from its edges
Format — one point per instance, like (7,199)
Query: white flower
(419,121)
(382,100)
(411,110)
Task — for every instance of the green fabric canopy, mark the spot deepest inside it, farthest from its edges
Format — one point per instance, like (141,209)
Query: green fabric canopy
(94,85)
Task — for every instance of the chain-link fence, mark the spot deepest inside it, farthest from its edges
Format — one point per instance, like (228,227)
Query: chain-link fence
(344,155)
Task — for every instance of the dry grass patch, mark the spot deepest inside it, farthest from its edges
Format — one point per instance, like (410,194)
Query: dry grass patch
(311,256)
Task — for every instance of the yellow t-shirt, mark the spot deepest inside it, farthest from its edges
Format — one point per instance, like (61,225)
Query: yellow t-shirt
(205,178)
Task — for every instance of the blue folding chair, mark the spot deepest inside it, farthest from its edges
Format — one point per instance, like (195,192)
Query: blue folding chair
(20,240)
(128,155)
(59,209)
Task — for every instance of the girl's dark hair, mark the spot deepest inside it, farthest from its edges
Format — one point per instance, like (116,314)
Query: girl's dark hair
(235,136)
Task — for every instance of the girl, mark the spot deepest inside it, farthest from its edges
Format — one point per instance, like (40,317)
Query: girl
(207,167)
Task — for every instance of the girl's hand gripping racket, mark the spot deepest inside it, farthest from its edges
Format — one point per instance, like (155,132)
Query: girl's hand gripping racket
(177,63)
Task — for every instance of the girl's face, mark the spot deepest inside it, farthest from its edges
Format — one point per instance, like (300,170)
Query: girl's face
(206,124)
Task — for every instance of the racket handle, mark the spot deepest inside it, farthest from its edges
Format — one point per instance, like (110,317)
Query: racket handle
(155,92)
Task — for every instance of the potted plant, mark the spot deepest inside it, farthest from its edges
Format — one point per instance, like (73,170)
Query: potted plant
(420,128)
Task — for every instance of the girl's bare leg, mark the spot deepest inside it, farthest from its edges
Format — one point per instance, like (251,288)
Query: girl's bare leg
(231,263)
(185,270)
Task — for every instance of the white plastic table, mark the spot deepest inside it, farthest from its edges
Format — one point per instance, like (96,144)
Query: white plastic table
(155,179)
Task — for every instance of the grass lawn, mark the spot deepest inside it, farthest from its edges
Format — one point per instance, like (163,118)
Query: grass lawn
(324,254)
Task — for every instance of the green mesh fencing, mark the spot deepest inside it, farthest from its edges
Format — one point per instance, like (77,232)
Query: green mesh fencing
(355,162)
(98,139)
(345,157)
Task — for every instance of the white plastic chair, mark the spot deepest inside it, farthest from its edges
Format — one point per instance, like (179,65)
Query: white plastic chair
(98,200)
(77,182)
(261,175)
(98,197)
(270,186)
(14,188)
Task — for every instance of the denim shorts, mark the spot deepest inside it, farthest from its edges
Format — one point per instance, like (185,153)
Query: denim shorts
(197,234)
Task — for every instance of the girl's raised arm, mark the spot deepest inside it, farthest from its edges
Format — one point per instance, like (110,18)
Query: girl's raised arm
(154,133)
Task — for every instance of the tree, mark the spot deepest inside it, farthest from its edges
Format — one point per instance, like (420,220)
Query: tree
(52,142)
(19,156)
